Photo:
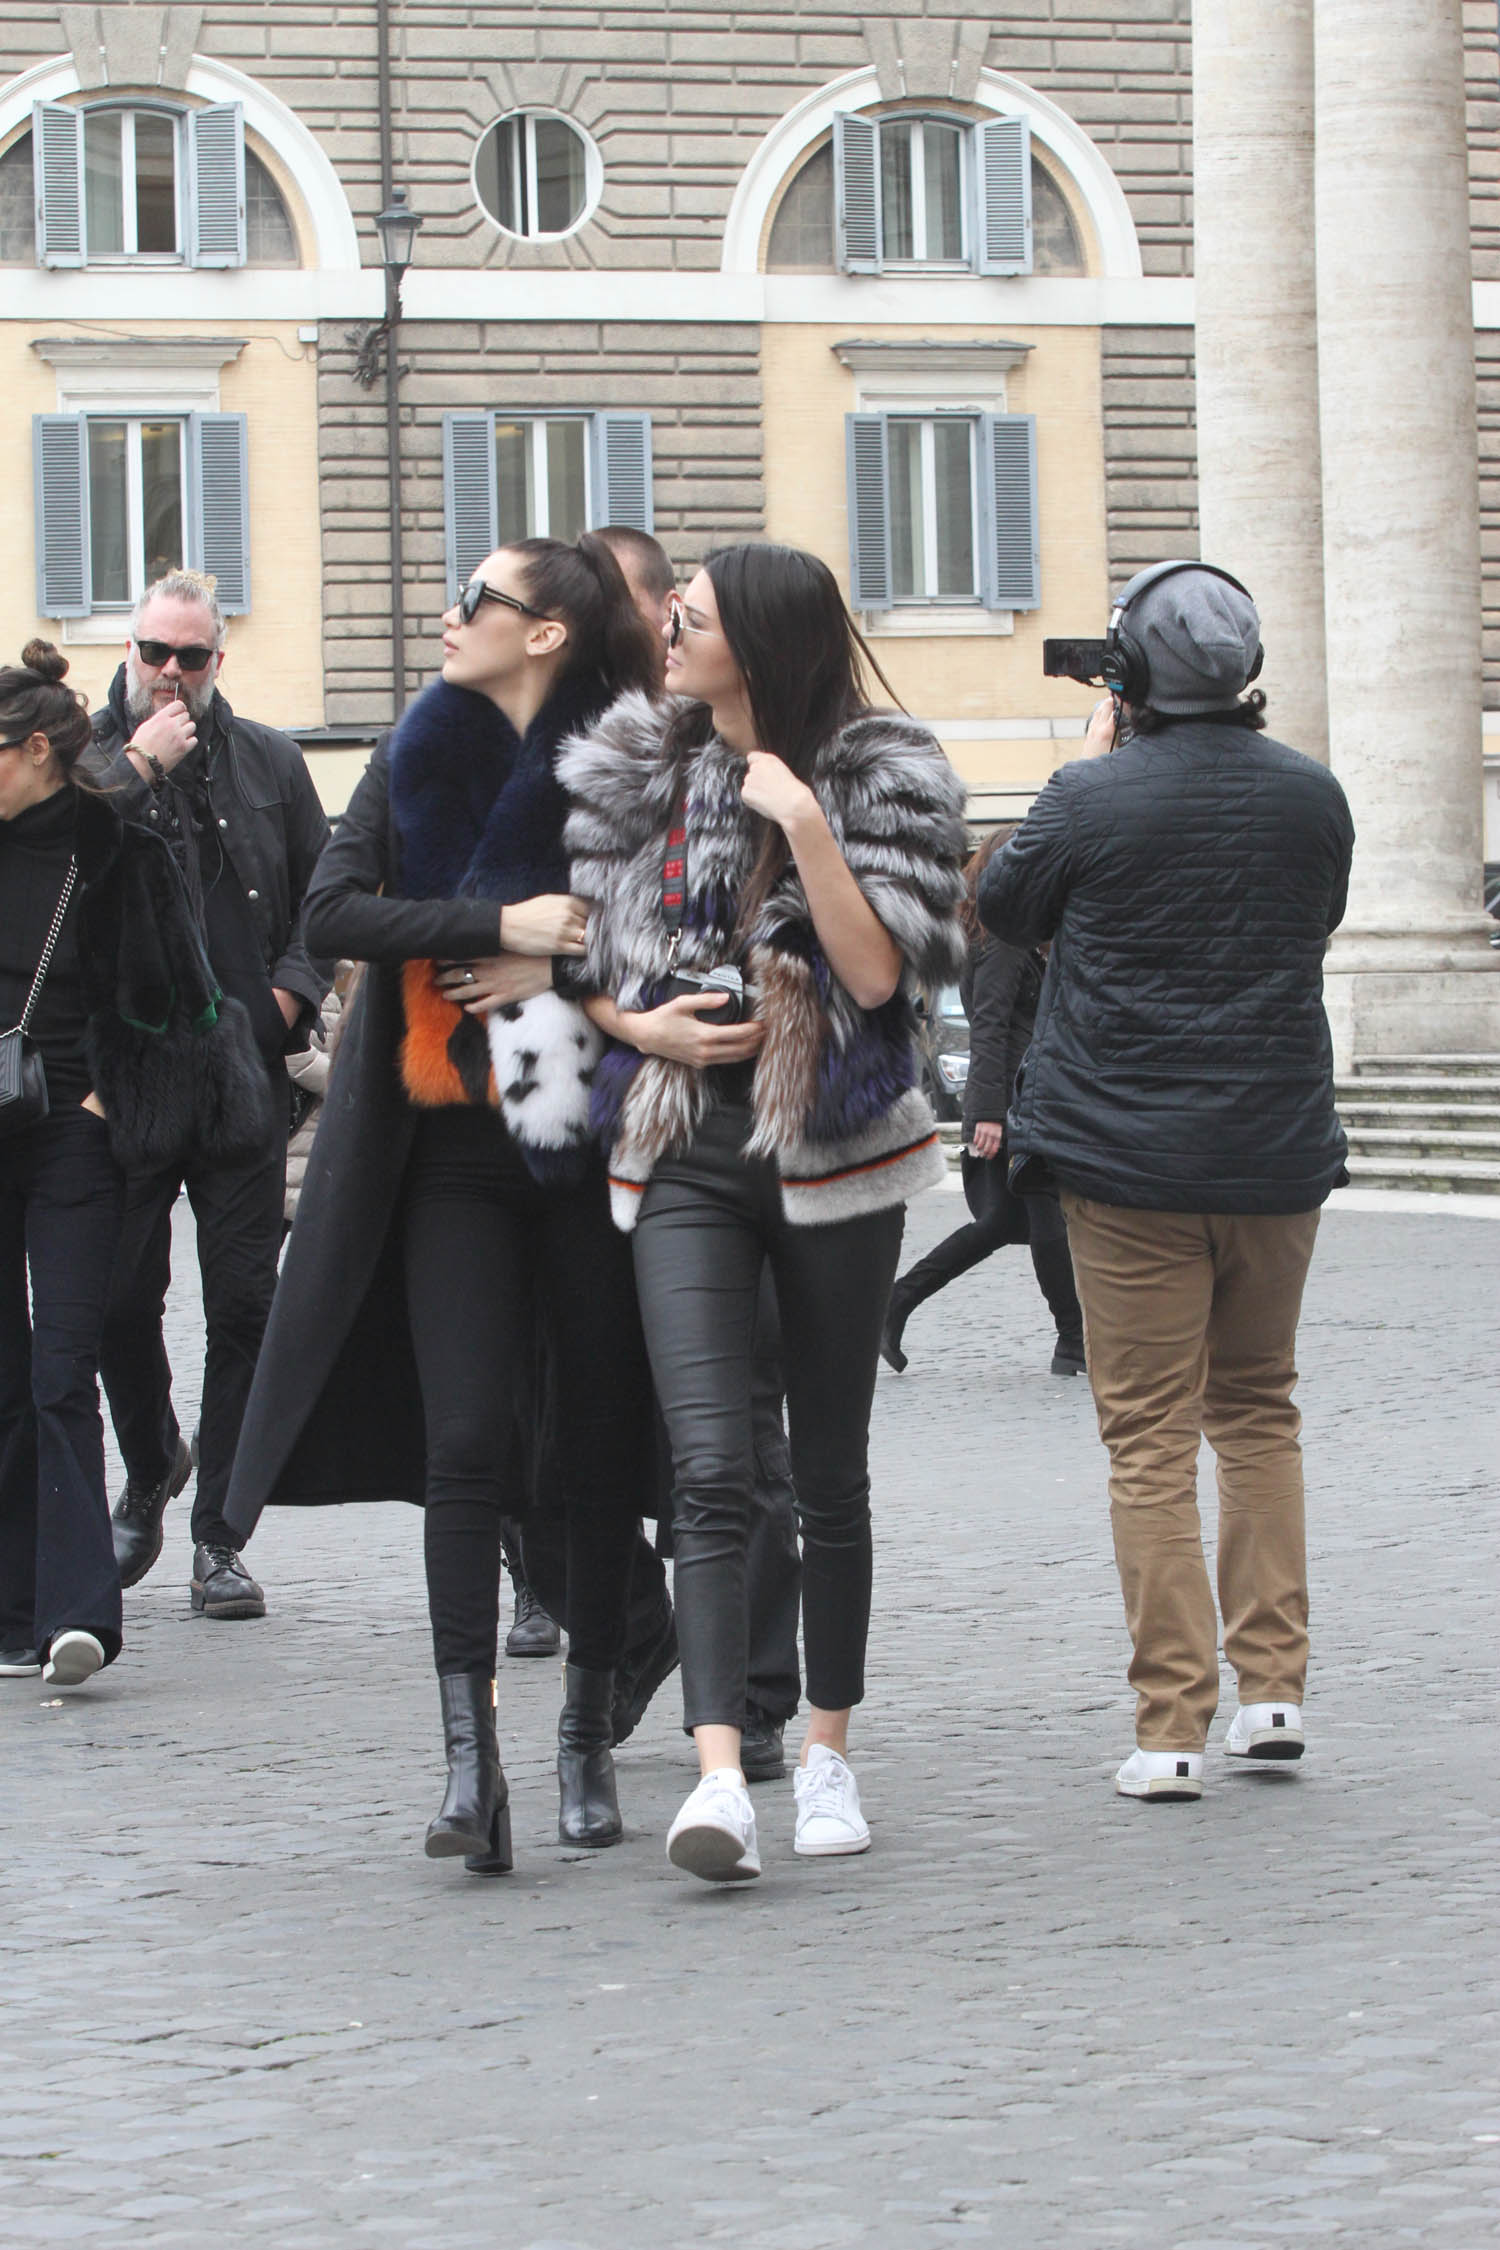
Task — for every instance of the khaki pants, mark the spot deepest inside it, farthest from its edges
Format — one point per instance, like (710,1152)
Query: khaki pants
(1191,1327)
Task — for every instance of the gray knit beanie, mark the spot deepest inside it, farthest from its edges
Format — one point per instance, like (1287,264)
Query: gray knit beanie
(1199,636)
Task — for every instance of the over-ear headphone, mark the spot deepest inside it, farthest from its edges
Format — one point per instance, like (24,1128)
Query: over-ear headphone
(1126,672)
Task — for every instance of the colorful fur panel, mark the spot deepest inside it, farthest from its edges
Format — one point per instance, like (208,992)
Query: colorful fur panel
(533,1060)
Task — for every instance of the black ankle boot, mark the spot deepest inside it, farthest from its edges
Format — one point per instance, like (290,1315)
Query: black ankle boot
(898,1312)
(474,1824)
(588,1809)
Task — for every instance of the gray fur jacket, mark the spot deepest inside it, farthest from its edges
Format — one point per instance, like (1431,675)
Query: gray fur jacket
(836,1097)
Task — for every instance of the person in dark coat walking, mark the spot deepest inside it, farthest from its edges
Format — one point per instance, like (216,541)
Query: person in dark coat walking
(1178,1094)
(999,987)
(454,1193)
(143,1061)
(235,803)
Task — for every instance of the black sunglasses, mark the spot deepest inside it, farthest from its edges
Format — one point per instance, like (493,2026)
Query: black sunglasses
(191,659)
(477,591)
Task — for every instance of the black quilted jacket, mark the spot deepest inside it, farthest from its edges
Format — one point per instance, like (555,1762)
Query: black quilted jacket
(1181,1059)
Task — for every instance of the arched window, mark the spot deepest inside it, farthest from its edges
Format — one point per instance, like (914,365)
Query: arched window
(803,234)
(141,182)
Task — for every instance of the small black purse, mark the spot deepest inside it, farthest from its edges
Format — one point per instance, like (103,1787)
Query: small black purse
(23,1080)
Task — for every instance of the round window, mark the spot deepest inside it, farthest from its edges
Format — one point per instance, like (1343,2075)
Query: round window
(536,174)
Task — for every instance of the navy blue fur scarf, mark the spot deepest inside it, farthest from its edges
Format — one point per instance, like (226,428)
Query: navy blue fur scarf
(478,808)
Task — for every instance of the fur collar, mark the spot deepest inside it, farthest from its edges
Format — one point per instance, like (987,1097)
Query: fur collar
(478,808)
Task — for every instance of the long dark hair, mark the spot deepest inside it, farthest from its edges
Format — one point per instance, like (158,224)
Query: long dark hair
(974,867)
(805,666)
(610,646)
(33,700)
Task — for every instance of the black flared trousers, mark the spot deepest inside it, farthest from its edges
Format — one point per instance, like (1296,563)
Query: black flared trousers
(493,1257)
(710,1219)
(61,1195)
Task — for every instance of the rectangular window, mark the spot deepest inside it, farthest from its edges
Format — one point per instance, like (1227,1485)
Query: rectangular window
(541,478)
(943,511)
(933,505)
(930,191)
(130,183)
(135,471)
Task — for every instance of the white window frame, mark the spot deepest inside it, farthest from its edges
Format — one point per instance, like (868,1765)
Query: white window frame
(927,423)
(127,112)
(135,498)
(593,170)
(962,130)
(537,426)
(927,391)
(134,380)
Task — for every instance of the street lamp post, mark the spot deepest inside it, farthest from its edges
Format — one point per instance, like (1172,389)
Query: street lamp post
(398,225)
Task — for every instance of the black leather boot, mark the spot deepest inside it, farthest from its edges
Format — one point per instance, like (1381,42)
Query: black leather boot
(588,1809)
(474,1824)
(898,1312)
(533,1632)
(138,1513)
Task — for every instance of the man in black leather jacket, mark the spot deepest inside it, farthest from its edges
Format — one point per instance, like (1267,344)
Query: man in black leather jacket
(236,803)
(1178,1095)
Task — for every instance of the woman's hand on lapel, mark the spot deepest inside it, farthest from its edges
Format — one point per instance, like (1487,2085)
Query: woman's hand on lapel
(771,789)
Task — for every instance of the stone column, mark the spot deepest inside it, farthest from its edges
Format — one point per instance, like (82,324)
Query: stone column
(1260,493)
(1411,972)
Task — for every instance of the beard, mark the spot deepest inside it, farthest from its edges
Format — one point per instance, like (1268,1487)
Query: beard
(140,693)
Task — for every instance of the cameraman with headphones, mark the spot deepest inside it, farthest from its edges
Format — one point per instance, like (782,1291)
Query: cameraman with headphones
(1178,1096)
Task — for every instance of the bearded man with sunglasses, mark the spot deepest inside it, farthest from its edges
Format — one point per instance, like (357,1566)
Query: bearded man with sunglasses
(235,802)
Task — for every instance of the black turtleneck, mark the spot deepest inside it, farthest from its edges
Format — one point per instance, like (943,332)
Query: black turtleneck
(35,848)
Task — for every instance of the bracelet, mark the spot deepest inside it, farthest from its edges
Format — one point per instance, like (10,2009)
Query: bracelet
(158,770)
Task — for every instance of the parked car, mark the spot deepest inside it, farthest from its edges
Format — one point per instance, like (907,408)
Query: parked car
(945,1053)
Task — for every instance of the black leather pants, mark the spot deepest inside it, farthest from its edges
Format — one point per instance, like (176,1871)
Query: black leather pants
(710,1219)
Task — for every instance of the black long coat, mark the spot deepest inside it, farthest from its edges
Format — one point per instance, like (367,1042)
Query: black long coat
(335,1412)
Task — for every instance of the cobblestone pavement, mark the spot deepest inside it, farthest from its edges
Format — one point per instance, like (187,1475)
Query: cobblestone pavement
(241,2006)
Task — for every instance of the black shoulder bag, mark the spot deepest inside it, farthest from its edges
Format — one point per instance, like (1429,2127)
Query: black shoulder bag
(23,1081)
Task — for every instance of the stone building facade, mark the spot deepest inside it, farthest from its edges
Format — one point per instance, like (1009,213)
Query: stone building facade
(652,224)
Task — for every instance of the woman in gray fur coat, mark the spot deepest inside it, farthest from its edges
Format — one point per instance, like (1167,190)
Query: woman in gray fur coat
(765,821)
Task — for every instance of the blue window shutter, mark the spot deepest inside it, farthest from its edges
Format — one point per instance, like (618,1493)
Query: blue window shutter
(856,191)
(60,446)
(219,505)
(57,167)
(216,185)
(869,511)
(1002,170)
(1013,565)
(622,470)
(471,520)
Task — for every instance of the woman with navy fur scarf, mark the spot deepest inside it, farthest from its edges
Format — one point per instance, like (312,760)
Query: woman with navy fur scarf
(455,1168)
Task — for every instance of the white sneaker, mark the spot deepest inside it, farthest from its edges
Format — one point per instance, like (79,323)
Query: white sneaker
(829,1821)
(714,1834)
(1266,1730)
(1161,1774)
(74,1658)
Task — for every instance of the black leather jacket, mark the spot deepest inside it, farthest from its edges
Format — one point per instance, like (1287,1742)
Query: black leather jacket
(270,821)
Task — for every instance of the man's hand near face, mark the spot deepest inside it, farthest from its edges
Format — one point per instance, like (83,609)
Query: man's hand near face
(168,735)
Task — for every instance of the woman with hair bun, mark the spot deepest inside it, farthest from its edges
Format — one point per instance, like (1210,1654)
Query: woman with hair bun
(454,1199)
(118,1049)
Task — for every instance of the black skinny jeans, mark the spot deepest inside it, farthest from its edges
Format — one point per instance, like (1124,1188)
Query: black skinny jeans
(709,1220)
(61,1195)
(489,1253)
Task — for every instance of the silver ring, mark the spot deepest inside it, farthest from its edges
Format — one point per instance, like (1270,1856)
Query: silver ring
(468,976)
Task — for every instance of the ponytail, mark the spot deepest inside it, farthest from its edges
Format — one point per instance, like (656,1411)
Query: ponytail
(610,645)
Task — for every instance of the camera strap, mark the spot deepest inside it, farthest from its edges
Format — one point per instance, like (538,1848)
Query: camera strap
(674,884)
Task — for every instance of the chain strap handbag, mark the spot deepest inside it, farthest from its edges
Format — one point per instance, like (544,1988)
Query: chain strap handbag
(23,1081)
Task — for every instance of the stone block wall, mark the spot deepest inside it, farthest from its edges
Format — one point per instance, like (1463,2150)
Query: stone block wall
(1150,447)
(700,385)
